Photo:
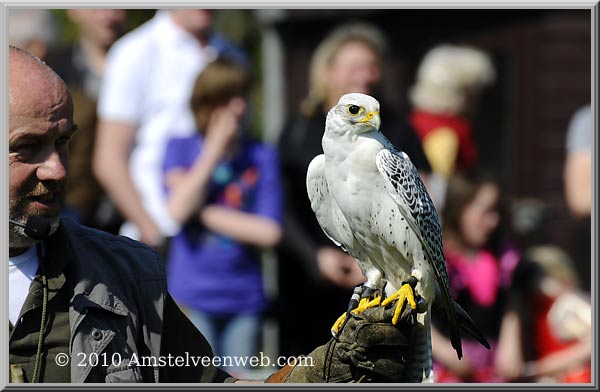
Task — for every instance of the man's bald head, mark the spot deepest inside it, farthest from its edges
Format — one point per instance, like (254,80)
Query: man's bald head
(32,83)
(40,124)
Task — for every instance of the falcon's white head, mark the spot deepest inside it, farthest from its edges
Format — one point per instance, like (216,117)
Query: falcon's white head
(354,113)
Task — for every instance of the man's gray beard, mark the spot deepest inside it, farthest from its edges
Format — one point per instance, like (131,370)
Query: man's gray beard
(18,238)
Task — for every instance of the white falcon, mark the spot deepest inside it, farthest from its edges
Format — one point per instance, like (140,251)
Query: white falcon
(369,199)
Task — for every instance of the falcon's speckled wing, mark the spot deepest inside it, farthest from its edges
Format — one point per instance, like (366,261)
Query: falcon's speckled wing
(409,192)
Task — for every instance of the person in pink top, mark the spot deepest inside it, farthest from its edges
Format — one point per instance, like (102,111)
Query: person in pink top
(480,262)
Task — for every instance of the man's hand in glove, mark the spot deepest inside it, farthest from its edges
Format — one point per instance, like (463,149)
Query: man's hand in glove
(368,349)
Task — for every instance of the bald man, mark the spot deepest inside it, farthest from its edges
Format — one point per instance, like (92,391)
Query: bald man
(91,293)
(87,306)
(40,123)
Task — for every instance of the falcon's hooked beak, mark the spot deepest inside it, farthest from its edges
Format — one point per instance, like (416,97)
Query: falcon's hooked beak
(373,119)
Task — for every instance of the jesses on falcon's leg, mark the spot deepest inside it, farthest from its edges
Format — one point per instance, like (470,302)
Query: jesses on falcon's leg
(362,299)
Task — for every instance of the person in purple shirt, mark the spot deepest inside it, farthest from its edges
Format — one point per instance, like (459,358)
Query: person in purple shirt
(224,189)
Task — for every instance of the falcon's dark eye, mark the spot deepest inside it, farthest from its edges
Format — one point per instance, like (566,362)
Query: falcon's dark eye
(353,109)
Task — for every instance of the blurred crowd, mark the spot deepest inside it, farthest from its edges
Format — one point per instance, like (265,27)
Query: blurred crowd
(164,154)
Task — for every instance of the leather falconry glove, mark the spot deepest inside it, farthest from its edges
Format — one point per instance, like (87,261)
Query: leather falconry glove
(368,349)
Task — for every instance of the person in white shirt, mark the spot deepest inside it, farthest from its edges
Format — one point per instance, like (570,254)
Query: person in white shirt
(144,101)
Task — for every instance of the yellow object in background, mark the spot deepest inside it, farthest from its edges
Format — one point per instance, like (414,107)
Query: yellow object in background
(441,149)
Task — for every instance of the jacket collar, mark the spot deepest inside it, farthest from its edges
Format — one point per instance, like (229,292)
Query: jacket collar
(88,289)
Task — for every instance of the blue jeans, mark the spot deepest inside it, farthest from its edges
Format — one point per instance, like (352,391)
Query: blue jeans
(229,335)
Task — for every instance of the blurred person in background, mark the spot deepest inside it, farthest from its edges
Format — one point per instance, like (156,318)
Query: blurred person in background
(312,268)
(577,177)
(480,262)
(549,325)
(97,30)
(444,98)
(144,101)
(33,30)
(82,66)
(224,188)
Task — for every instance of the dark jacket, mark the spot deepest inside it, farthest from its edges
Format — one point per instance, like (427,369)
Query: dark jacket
(120,306)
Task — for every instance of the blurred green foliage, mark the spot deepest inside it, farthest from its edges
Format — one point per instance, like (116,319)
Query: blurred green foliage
(68,33)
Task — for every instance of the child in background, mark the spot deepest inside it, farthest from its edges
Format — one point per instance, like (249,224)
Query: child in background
(480,264)
(552,321)
(225,190)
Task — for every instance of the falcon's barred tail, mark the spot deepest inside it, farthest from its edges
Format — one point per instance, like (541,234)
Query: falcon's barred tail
(420,366)
(465,323)
(449,310)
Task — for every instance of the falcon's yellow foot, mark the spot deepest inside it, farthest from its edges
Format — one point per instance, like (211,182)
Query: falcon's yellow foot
(405,294)
(338,324)
(363,305)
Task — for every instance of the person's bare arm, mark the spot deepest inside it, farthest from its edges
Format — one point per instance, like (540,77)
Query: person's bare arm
(110,164)
(443,352)
(509,354)
(578,183)
(188,189)
(560,361)
(339,267)
(188,192)
(241,226)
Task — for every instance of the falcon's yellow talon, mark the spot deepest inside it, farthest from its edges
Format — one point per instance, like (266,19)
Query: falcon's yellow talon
(396,315)
(338,323)
(405,294)
(363,305)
